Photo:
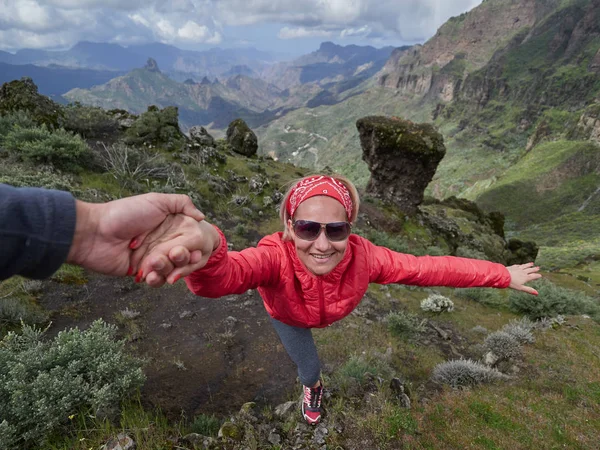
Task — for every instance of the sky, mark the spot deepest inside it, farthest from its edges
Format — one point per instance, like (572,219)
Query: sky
(285,26)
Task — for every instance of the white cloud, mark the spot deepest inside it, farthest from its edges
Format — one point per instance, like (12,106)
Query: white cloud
(301,32)
(353,32)
(44,23)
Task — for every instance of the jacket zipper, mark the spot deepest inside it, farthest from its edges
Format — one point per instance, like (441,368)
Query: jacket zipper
(321,302)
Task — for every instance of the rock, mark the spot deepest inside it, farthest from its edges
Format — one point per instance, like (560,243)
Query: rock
(400,390)
(232,431)
(186,314)
(521,252)
(124,118)
(402,157)
(490,359)
(22,95)
(320,433)
(200,135)
(274,438)
(241,138)
(285,410)
(121,442)
(152,65)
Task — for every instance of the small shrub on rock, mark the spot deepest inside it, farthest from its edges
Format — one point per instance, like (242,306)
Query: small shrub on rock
(553,301)
(156,127)
(437,303)
(503,345)
(43,382)
(465,372)
(89,121)
(405,324)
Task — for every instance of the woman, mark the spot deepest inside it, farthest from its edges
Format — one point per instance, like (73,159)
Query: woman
(316,272)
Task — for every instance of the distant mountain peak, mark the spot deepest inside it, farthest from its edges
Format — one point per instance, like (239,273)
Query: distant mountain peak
(152,65)
(205,81)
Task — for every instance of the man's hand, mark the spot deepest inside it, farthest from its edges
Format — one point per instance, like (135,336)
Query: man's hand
(521,274)
(176,248)
(106,233)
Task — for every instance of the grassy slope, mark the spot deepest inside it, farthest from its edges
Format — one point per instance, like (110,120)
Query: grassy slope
(551,402)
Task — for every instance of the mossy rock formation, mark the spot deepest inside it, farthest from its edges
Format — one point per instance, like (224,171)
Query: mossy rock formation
(241,138)
(22,95)
(402,157)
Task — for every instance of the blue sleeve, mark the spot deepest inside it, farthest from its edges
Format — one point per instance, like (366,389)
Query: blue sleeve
(36,231)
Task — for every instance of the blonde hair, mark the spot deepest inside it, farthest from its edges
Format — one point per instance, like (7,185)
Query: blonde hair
(284,216)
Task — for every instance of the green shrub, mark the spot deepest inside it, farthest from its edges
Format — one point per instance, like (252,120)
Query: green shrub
(89,121)
(60,148)
(14,311)
(485,296)
(553,301)
(405,324)
(16,119)
(43,382)
(205,425)
(156,128)
(359,370)
(44,177)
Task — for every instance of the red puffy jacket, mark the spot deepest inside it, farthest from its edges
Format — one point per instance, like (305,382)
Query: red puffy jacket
(295,296)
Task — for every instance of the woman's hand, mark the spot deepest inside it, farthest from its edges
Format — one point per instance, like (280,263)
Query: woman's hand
(521,274)
(176,248)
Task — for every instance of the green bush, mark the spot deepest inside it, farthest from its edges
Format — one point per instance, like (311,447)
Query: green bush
(553,301)
(156,128)
(16,119)
(60,148)
(485,296)
(205,425)
(405,324)
(14,311)
(89,121)
(42,382)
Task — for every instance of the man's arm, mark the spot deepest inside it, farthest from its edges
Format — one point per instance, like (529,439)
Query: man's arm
(40,229)
(36,230)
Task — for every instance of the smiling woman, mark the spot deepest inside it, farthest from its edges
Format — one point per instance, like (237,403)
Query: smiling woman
(316,272)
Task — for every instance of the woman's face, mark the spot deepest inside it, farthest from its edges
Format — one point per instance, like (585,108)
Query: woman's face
(321,255)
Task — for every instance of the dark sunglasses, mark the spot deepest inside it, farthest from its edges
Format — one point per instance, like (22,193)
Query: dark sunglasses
(310,231)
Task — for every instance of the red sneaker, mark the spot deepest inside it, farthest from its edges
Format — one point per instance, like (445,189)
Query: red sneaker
(311,404)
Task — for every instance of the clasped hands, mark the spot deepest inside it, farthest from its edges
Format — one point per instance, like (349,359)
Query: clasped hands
(159,238)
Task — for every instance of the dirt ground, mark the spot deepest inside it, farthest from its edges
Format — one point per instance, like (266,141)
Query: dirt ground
(204,356)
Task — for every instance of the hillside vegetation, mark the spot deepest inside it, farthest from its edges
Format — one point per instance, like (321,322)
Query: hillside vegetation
(405,370)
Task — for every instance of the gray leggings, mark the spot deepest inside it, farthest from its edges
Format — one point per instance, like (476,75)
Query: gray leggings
(300,346)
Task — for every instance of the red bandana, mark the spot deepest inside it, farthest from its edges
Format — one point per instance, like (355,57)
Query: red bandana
(319,185)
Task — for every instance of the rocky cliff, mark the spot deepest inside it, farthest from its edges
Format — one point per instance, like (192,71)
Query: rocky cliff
(462,45)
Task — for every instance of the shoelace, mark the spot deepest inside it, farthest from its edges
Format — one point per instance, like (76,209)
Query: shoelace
(312,396)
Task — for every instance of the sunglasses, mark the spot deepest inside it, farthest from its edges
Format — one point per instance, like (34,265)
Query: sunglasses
(310,231)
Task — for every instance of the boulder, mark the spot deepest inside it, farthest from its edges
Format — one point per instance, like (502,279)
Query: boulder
(402,157)
(241,138)
(521,252)
(200,135)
